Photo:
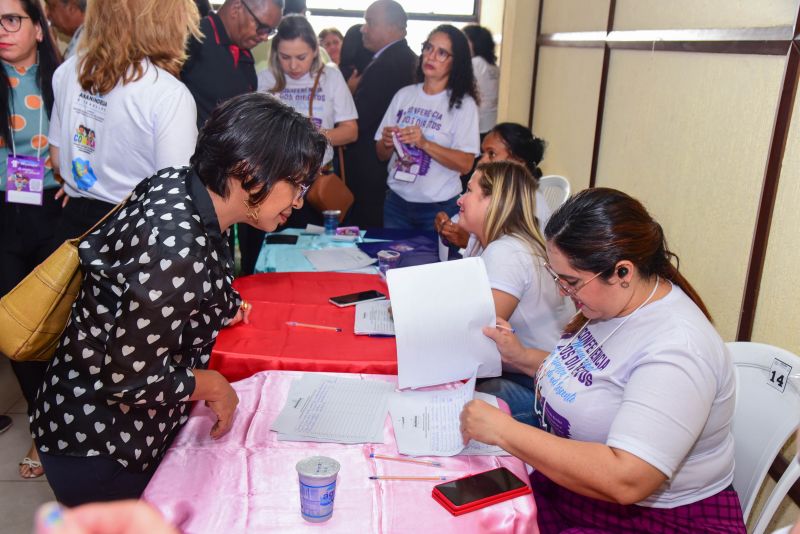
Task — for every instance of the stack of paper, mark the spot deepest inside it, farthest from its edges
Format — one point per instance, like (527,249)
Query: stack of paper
(326,408)
(338,259)
(373,319)
(427,423)
(439,311)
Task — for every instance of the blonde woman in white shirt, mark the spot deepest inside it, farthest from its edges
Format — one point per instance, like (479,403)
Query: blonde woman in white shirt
(499,209)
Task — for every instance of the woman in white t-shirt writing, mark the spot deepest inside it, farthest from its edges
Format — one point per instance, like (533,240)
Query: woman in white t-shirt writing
(120,112)
(295,68)
(430,132)
(637,397)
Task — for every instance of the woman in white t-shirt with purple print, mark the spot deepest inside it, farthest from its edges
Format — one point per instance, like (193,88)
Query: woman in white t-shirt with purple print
(637,397)
(429,134)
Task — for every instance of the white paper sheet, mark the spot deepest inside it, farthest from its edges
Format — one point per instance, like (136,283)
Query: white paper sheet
(439,310)
(372,318)
(427,423)
(338,259)
(327,408)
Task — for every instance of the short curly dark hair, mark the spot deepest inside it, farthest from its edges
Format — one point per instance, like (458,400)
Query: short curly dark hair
(260,141)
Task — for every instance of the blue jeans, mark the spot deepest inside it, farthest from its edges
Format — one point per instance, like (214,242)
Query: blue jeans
(519,398)
(399,213)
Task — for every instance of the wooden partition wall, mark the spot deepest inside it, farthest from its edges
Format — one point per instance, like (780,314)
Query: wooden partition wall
(689,107)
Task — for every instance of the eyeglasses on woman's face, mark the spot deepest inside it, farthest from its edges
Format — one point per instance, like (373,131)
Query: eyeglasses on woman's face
(438,53)
(11,22)
(302,189)
(570,288)
(262,29)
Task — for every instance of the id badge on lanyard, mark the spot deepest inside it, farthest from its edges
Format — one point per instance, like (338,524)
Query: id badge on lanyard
(25,174)
(25,179)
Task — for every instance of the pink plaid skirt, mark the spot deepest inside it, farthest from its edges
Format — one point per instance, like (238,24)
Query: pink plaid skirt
(561,511)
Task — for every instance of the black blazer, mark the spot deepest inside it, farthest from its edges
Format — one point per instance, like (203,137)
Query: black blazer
(366,176)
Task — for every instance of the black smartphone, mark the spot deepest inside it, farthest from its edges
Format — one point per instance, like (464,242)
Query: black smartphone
(479,490)
(281,239)
(354,298)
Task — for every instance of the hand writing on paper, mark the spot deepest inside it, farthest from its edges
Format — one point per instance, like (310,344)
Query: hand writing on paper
(452,232)
(511,350)
(483,422)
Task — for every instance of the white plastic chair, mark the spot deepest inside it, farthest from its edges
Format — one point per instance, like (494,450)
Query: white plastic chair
(555,190)
(767,413)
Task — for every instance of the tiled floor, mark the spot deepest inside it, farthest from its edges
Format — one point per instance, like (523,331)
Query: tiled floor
(18,498)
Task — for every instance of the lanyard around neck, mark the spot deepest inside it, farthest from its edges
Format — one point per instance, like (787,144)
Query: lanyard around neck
(39,147)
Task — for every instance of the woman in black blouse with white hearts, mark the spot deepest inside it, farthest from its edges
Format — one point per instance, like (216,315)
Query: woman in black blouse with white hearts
(156,291)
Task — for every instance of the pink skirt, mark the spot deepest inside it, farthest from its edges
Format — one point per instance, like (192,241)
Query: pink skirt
(561,511)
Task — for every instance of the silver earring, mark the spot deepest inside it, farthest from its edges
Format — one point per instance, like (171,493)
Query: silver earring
(625,284)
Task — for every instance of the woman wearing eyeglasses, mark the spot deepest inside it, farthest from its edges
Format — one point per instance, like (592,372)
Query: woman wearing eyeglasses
(429,134)
(499,209)
(120,111)
(637,397)
(295,73)
(157,290)
(29,210)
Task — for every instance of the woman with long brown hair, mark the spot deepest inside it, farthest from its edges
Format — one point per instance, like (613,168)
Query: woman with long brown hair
(636,400)
(121,113)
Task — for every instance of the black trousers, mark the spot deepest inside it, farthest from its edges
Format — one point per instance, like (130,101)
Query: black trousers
(77,480)
(79,215)
(27,239)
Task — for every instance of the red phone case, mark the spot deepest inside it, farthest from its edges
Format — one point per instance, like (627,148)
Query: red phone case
(481,503)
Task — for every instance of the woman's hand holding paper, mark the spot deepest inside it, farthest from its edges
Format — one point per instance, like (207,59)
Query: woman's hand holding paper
(483,422)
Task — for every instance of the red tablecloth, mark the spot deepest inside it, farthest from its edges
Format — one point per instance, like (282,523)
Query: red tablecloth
(267,343)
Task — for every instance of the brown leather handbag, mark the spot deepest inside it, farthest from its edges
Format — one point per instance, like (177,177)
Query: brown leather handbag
(34,314)
(329,192)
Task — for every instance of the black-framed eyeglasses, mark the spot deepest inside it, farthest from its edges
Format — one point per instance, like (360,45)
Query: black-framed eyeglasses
(264,30)
(564,286)
(440,54)
(12,23)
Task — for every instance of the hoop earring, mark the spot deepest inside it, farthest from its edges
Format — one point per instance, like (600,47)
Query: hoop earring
(625,284)
(252,212)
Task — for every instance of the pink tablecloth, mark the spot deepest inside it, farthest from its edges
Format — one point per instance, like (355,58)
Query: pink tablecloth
(246,481)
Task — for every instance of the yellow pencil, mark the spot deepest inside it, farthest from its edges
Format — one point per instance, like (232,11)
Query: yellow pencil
(407,460)
(317,326)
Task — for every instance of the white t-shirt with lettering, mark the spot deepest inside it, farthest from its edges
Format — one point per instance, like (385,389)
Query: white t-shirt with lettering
(418,177)
(333,102)
(109,143)
(542,313)
(661,388)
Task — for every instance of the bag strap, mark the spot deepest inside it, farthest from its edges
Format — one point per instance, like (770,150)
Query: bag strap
(314,93)
(341,164)
(97,225)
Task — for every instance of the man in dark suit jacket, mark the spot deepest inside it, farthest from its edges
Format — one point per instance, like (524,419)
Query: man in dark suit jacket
(393,66)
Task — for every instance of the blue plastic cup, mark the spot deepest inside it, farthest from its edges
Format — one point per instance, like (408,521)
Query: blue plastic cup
(317,476)
(331,218)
